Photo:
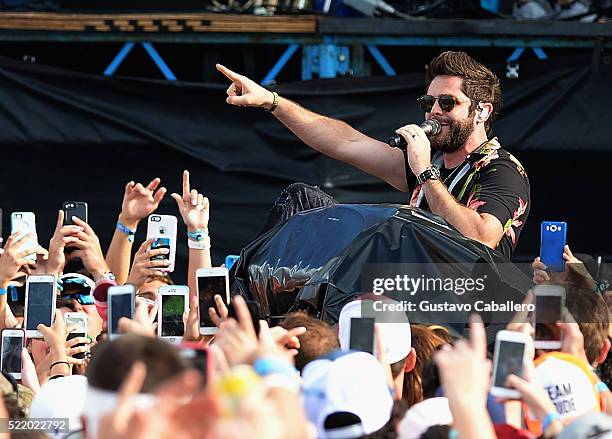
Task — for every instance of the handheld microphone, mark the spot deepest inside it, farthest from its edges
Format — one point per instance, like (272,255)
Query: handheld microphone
(431,127)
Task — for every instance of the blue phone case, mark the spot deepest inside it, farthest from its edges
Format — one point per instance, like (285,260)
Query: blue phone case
(230,260)
(552,241)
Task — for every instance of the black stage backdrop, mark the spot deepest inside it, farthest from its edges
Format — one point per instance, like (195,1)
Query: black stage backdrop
(69,136)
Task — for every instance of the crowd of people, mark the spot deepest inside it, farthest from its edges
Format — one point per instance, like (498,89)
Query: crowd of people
(295,380)
(300,378)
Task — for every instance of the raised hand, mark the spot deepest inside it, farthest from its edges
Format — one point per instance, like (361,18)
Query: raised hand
(88,249)
(191,318)
(13,259)
(143,267)
(464,368)
(244,92)
(55,335)
(62,236)
(237,338)
(220,314)
(140,201)
(142,323)
(193,206)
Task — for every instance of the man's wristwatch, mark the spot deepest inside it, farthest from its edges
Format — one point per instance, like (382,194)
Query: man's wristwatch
(431,173)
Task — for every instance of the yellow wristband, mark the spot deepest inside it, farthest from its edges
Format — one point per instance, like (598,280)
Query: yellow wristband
(274,102)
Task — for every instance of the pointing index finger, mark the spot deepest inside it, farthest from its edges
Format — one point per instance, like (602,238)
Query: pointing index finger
(186,186)
(232,76)
(478,337)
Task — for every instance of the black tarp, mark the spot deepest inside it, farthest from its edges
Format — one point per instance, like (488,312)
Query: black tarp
(73,136)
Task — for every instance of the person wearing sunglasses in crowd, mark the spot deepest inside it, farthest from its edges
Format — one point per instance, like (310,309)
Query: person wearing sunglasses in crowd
(469,180)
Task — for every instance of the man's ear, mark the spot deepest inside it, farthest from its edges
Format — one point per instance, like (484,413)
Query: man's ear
(411,361)
(603,354)
(484,110)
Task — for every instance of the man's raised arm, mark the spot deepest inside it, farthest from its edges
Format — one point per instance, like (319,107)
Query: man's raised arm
(331,137)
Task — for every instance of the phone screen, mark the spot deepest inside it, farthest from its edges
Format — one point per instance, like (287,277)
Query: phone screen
(362,334)
(161,243)
(547,313)
(40,301)
(198,359)
(77,326)
(208,286)
(509,361)
(173,307)
(120,306)
(11,353)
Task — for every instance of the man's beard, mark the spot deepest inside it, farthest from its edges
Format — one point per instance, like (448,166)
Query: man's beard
(460,131)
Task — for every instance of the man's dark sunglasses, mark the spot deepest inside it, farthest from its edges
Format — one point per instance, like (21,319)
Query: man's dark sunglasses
(446,102)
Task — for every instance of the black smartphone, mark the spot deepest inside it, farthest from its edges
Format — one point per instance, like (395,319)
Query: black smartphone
(254,309)
(198,357)
(74,208)
(362,334)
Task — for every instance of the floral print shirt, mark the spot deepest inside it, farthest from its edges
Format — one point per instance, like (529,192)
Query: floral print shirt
(496,183)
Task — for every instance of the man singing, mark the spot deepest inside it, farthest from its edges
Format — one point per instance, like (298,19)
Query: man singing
(474,184)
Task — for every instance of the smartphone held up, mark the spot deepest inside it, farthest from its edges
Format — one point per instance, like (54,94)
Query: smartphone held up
(162,229)
(41,292)
(211,281)
(508,358)
(121,303)
(13,342)
(549,304)
(553,235)
(173,302)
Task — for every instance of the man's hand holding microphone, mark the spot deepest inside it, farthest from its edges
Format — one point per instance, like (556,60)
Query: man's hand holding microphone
(417,143)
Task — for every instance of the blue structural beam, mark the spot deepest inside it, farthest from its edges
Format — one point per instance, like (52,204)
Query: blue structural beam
(518,52)
(381,60)
(539,53)
(280,64)
(121,55)
(159,62)
(153,54)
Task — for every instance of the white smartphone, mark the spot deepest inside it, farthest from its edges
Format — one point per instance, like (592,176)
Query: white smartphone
(162,228)
(25,222)
(120,304)
(173,302)
(41,292)
(508,359)
(76,323)
(13,341)
(549,302)
(211,281)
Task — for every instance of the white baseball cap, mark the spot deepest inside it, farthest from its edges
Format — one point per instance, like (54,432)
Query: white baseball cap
(569,384)
(61,398)
(425,414)
(394,327)
(352,383)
